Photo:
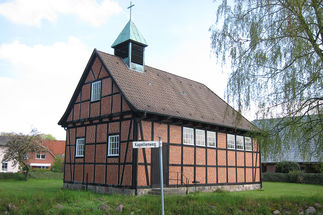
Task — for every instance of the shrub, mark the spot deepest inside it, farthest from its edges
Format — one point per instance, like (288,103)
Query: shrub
(319,167)
(313,178)
(58,165)
(46,175)
(281,177)
(296,176)
(18,176)
(286,167)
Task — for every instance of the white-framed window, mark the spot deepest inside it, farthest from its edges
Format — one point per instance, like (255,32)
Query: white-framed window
(211,138)
(113,145)
(79,151)
(4,166)
(96,91)
(240,145)
(231,141)
(188,136)
(200,137)
(41,156)
(44,167)
(248,143)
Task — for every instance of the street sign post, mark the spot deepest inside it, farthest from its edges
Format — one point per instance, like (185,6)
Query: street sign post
(161,175)
(154,144)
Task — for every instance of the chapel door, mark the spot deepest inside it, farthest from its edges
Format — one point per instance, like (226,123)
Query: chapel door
(155,166)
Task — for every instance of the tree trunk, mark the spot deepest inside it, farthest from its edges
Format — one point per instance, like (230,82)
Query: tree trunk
(26,172)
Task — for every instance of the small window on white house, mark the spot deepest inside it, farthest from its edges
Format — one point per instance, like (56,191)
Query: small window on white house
(248,143)
(188,136)
(113,145)
(211,138)
(79,152)
(231,141)
(41,156)
(240,145)
(200,137)
(96,91)
(4,166)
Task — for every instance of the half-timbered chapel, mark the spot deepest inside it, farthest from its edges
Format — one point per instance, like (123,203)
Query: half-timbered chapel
(119,100)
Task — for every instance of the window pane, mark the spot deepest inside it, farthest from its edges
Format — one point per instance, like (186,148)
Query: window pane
(188,136)
(248,143)
(4,166)
(230,141)
(96,91)
(211,138)
(200,137)
(113,145)
(80,147)
(240,142)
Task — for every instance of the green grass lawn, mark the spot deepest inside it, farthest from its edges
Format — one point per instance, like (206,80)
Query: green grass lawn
(38,196)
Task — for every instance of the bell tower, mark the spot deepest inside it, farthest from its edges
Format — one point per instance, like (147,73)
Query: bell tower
(130,46)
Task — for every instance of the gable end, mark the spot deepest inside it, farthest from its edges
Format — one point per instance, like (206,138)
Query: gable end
(82,108)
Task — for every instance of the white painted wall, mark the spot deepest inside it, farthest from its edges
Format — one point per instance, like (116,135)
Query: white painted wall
(10,168)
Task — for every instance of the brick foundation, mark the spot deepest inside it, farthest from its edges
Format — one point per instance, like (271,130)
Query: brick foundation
(168,190)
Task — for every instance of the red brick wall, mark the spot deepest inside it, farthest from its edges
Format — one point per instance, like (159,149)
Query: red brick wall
(231,163)
(99,168)
(97,154)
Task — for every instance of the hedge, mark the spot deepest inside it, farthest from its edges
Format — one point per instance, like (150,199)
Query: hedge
(46,175)
(294,176)
(33,174)
(281,177)
(17,176)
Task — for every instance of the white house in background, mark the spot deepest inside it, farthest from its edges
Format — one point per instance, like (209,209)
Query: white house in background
(6,166)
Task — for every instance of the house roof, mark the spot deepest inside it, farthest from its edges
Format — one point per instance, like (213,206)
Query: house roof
(130,32)
(3,140)
(55,146)
(158,92)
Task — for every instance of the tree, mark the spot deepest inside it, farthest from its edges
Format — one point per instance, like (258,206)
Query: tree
(58,165)
(19,146)
(48,137)
(275,51)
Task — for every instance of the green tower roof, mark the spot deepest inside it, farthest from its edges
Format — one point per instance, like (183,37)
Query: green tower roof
(130,32)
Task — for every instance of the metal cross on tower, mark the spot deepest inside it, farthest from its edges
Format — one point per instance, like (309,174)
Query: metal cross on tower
(131,5)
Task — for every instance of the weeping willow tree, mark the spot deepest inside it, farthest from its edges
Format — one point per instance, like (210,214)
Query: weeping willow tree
(274,48)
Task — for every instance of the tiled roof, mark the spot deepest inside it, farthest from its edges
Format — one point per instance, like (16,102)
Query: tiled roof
(159,92)
(130,32)
(55,146)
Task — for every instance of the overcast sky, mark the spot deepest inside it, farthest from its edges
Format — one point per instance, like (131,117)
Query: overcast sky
(45,45)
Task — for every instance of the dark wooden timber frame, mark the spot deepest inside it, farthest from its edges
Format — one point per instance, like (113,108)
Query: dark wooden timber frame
(135,132)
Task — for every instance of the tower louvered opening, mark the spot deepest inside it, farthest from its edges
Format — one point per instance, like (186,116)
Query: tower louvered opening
(122,50)
(137,54)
